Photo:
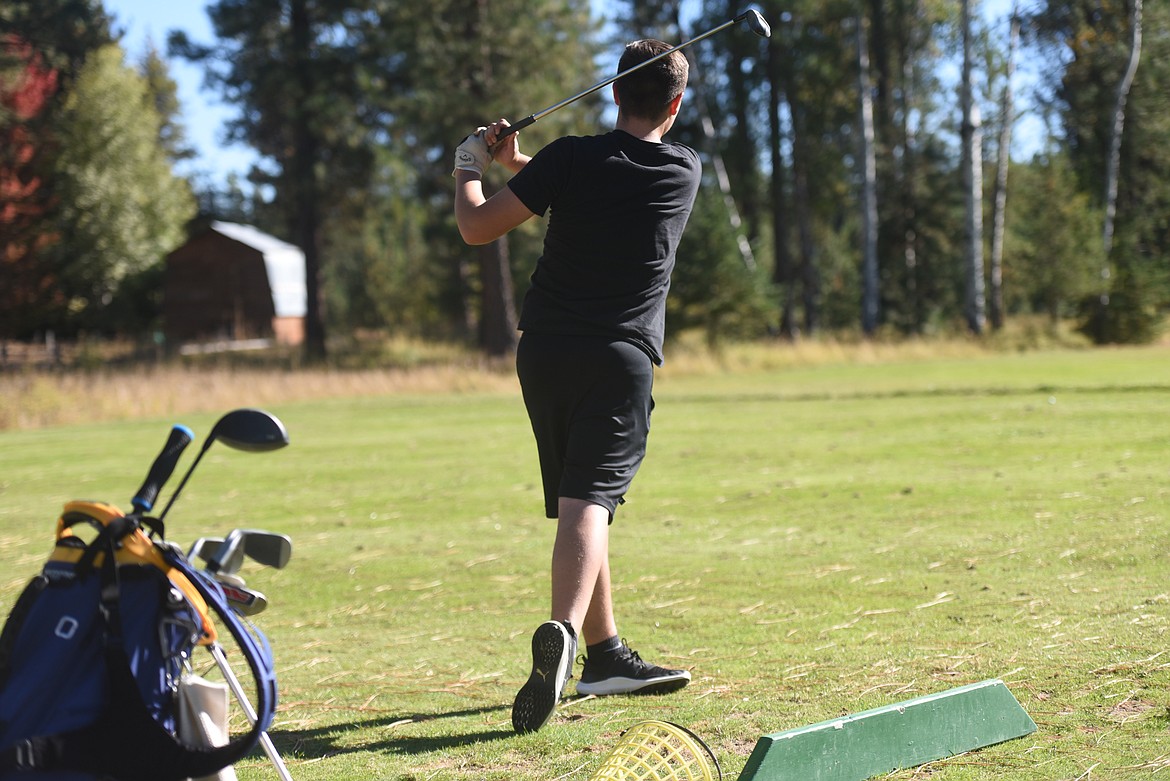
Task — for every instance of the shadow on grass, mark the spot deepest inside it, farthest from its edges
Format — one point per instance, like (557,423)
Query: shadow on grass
(330,740)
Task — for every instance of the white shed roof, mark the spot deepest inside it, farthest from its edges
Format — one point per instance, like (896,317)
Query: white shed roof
(284,262)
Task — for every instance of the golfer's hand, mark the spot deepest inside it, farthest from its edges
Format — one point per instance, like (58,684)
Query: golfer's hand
(473,154)
(508,151)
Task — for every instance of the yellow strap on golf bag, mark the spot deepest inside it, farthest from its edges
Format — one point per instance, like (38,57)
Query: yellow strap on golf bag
(136,548)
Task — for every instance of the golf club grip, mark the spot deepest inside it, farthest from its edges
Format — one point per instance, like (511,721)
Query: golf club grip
(162,468)
(510,129)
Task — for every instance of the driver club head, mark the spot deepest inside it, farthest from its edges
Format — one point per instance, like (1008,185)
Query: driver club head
(250,430)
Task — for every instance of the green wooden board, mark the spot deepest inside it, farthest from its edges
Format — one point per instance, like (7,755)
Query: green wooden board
(894,737)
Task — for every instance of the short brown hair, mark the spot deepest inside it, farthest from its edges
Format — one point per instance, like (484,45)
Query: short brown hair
(647,92)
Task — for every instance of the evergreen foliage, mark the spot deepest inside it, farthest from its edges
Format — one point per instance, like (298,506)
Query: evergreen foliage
(354,107)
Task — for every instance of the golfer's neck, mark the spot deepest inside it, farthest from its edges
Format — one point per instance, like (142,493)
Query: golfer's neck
(645,129)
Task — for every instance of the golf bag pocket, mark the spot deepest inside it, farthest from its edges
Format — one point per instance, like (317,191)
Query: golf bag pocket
(92,654)
(203,717)
(52,657)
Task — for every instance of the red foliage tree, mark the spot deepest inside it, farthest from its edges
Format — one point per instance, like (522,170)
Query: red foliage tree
(27,85)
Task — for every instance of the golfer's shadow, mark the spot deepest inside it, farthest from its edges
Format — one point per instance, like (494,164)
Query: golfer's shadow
(327,741)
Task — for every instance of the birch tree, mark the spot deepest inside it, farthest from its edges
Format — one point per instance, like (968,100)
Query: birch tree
(869,217)
(1007,119)
(1113,162)
(972,140)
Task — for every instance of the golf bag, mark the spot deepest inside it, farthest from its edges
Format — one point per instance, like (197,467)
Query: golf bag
(94,649)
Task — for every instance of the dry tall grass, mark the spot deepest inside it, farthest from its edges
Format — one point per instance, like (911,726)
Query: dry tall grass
(34,399)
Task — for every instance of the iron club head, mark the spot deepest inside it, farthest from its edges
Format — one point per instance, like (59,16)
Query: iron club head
(756,22)
(204,548)
(267,548)
(226,556)
(243,600)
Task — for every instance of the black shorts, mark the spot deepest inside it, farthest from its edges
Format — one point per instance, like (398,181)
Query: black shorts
(589,400)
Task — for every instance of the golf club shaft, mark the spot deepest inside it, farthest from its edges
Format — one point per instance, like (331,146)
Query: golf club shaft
(238,690)
(533,118)
(183,482)
(226,552)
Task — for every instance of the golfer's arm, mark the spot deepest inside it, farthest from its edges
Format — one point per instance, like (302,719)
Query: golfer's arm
(514,165)
(480,220)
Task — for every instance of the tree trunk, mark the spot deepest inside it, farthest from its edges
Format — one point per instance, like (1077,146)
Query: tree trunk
(1007,109)
(972,185)
(1114,161)
(497,310)
(782,254)
(806,270)
(742,152)
(869,218)
(809,275)
(733,216)
(306,226)
(497,320)
(909,194)
(879,56)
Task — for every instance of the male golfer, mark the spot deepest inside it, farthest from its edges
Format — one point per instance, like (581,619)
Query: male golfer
(592,326)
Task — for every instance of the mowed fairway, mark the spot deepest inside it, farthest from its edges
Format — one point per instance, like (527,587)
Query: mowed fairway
(810,542)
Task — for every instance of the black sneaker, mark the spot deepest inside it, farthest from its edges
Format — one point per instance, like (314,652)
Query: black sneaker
(553,649)
(624,672)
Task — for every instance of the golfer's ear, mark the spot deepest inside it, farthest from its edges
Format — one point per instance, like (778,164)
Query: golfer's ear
(616,100)
(676,103)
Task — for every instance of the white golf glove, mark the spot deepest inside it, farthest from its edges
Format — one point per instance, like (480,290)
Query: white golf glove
(473,154)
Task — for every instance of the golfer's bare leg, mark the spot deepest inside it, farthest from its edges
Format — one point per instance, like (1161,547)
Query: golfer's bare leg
(580,569)
(599,621)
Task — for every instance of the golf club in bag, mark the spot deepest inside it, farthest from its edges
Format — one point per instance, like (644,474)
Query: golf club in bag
(755,22)
(252,431)
(222,558)
(94,654)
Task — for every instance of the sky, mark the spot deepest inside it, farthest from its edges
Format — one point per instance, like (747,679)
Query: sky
(204,115)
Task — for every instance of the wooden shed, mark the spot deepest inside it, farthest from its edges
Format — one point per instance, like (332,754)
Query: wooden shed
(233,283)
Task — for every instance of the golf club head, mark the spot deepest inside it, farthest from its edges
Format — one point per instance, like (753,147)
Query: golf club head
(250,430)
(204,548)
(757,23)
(243,600)
(227,560)
(267,548)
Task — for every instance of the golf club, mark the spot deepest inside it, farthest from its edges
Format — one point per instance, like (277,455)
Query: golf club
(245,601)
(250,430)
(270,550)
(233,682)
(755,21)
(190,605)
(160,471)
(204,548)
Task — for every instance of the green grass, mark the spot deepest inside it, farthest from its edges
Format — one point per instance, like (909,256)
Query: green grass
(811,541)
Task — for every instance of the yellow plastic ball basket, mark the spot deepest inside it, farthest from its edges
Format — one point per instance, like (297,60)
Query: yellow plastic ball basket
(659,751)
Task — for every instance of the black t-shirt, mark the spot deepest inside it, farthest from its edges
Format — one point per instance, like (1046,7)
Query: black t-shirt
(618,208)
